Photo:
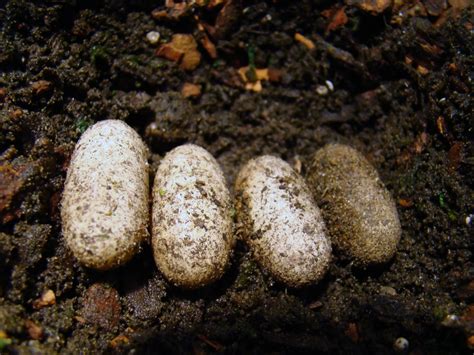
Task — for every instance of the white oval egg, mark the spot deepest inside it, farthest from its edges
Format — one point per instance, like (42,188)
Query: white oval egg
(359,211)
(104,207)
(192,223)
(281,223)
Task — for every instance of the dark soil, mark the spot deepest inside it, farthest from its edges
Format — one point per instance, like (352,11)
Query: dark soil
(402,95)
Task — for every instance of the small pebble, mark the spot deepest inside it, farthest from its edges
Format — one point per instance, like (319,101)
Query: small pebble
(469,219)
(401,344)
(101,306)
(153,37)
(34,330)
(322,90)
(330,85)
(451,320)
(387,290)
(48,298)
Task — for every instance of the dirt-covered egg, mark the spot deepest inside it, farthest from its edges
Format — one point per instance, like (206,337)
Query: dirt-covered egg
(192,220)
(104,208)
(358,209)
(281,223)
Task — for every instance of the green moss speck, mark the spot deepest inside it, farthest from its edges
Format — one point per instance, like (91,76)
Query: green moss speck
(82,125)
(99,55)
(4,342)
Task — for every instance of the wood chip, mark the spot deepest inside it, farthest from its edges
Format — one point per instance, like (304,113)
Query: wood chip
(315,305)
(405,202)
(422,69)
(420,143)
(305,41)
(441,124)
(209,46)
(191,90)
(212,343)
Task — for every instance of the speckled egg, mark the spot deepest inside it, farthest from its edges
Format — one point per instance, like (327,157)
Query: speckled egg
(192,222)
(358,209)
(104,208)
(281,223)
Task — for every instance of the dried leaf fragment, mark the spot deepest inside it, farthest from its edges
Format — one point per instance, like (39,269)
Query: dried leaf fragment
(183,50)
(337,18)
(371,6)
(259,74)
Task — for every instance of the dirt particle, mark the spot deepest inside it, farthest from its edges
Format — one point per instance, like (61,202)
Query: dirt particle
(372,6)
(48,298)
(470,342)
(422,69)
(455,155)
(34,330)
(315,305)
(352,332)
(435,7)
(41,86)
(3,93)
(191,90)
(4,340)
(101,306)
(118,341)
(14,176)
(212,343)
